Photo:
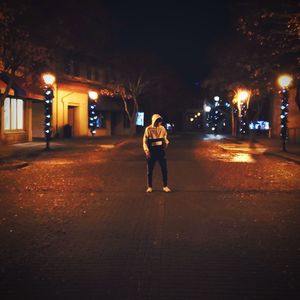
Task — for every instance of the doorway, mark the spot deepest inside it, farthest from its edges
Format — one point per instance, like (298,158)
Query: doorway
(73,119)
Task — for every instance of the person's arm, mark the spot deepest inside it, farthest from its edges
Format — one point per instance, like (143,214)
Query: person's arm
(145,143)
(166,141)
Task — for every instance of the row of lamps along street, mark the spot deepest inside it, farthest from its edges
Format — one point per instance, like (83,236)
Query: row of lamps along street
(242,99)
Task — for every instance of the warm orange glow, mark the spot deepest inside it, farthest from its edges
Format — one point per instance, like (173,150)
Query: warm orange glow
(285,80)
(241,96)
(48,78)
(106,92)
(93,95)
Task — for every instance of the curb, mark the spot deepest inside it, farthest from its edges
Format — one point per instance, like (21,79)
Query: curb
(13,165)
(283,156)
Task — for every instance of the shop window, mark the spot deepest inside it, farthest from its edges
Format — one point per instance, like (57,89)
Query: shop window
(13,114)
(101,121)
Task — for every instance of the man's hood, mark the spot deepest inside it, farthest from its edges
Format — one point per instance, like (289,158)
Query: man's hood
(155,117)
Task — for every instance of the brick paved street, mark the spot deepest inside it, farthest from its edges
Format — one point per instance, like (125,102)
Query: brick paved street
(78,224)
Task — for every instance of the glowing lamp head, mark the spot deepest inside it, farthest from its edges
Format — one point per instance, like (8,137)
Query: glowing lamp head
(285,80)
(93,95)
(48,78)
(217,98)
(207,108)
(243,95)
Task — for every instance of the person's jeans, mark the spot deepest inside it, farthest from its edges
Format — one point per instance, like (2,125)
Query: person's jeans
(158,155)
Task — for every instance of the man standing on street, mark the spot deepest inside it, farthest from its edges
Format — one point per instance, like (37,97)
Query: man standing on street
(154,143)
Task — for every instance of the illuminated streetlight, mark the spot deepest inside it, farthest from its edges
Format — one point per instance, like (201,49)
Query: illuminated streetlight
(217,98)
(207,108)
(284,81)
(93,95)
(242,98)
(49,80)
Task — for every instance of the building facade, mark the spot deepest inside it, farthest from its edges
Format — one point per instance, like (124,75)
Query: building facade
(16,114)
(22,116)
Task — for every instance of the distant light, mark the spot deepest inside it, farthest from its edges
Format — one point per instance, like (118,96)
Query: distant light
(191,119)
(217,98)
(285,80)
(48,78)
(198,114)
(93,95)
(207,108)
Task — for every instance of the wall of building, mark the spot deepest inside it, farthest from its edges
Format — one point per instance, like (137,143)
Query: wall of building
(38,119)
(66,99)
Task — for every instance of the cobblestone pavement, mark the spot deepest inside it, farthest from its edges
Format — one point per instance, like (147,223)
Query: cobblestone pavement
(79,225)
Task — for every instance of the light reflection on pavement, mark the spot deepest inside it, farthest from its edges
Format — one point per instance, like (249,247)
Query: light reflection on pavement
(242,157)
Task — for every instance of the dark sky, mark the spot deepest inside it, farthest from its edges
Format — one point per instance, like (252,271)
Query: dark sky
(180,33)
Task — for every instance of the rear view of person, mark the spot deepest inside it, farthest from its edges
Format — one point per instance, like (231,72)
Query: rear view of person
(154,143)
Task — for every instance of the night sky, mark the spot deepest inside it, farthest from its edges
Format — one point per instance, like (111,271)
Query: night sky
(181,34)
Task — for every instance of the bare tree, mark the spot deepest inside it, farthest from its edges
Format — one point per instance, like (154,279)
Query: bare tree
(130,91)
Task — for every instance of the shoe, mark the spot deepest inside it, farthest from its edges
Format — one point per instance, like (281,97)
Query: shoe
(166,189)
(149,190)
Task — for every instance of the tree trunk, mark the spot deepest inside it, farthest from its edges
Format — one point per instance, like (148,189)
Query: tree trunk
(133,118)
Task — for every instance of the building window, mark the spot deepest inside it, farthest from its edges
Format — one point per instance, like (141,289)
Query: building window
(76,67)
(88,72)
(101,121)
(68,66)
(97,75)
(13,114)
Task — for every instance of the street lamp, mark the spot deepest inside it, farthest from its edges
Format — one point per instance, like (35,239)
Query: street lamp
(49,80)
(284,81)
(242,99)
(207,108)
(93,97)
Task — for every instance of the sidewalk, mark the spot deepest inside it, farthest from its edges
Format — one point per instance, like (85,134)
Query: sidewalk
(17,155)
(271,147)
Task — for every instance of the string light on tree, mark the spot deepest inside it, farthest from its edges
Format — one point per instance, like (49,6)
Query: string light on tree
(284,81)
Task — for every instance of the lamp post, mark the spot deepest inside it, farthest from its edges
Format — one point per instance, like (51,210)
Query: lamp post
(49,80)
(284,81)
(242,99)
(93,97)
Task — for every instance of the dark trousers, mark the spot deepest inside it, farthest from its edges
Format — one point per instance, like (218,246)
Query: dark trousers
(159,156)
